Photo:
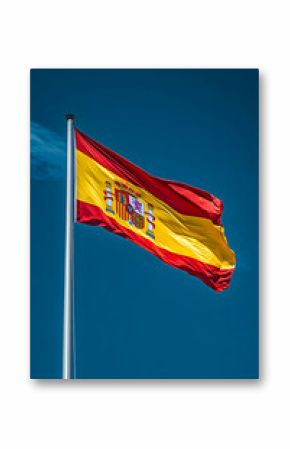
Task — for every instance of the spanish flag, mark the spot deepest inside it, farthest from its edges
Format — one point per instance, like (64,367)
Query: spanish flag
(178,223)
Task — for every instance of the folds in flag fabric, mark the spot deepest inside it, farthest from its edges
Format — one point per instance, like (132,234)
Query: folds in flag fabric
(178,223)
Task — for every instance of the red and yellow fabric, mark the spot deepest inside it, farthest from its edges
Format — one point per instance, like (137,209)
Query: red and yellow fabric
(178,223)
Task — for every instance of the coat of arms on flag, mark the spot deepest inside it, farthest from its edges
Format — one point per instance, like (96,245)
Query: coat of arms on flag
(127,204)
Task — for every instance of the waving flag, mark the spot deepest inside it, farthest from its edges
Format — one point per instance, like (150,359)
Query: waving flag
(178,223)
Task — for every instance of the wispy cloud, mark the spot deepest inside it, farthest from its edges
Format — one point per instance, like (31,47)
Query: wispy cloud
(48,156)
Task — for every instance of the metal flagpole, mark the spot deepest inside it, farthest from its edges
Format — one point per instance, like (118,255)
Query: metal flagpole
(69,257)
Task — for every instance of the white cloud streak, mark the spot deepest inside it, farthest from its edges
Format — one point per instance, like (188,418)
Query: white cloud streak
(47,152)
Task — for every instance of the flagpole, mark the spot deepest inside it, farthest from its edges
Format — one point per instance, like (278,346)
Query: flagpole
(69,258)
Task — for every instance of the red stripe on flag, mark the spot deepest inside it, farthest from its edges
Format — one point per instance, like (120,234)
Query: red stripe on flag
(214,277)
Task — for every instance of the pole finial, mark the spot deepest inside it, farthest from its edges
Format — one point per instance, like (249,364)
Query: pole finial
(69,116)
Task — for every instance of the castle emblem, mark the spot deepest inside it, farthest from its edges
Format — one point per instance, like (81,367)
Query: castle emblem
(128,205)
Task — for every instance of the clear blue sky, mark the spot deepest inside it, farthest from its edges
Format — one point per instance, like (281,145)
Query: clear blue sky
(135,316)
